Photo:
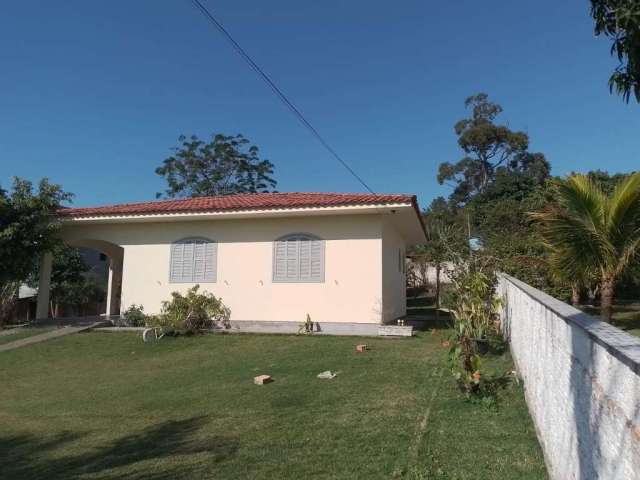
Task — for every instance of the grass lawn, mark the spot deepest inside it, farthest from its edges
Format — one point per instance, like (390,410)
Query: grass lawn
(105,405)
(21,333)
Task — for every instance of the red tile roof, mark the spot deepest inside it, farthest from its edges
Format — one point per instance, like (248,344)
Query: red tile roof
(253,201)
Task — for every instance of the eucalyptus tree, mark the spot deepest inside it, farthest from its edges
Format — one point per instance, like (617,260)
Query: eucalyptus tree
(488,147)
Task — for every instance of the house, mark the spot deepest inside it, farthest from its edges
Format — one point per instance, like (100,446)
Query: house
(271,257)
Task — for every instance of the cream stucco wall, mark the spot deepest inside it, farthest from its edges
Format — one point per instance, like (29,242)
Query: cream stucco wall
(355,266)
(394,292)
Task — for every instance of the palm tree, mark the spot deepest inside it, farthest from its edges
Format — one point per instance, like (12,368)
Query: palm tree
(589,233)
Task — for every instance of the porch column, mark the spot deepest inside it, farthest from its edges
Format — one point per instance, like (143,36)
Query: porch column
(113,286)
(42,309)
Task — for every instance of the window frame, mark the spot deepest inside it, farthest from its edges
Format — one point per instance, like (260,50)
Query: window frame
(185,240)
(309,237)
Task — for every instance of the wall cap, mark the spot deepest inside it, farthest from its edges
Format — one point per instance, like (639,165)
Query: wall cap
(622,345)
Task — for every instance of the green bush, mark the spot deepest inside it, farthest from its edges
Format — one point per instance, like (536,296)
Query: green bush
(474,307)
(134,316)
(192,313)
(473,303)
(306,327)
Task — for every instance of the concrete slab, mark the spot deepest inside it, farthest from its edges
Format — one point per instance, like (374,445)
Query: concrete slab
(60,332)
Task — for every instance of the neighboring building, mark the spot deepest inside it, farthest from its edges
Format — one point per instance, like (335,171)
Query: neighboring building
(423,274)
(270,256)
(25,307)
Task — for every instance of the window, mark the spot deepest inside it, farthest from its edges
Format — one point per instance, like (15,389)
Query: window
(298,258)
(193,260)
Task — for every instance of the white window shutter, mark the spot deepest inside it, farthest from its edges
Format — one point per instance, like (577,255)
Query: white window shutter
(298,258)
(198,261)
(188,261)
(193,260)
(304,261)
(211,262)
(291,256)
(317,260)
(280,261)
(175,273)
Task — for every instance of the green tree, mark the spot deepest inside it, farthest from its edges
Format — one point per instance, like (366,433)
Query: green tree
(444,236)
(588,232)
(499,219)
(487,147)
(71,283)
(495,184)
(606,181)
(628,283)
(619,20)
(27,230)
(223,166)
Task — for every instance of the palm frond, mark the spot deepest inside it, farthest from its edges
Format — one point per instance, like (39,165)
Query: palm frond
(572,234)
(630,253)
(623,219)
(573,230)
(581,197)
(588,234)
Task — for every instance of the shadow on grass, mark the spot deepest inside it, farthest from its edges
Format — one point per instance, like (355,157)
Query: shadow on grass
(30,456)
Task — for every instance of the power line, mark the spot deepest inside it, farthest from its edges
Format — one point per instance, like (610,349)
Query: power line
(281,96)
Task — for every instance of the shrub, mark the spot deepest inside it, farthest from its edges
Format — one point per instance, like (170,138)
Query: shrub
(134,316)
(306,327)
(474,307)
(473,304)
(192,312)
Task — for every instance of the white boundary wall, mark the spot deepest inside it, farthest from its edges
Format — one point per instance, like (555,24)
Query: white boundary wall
(582,384)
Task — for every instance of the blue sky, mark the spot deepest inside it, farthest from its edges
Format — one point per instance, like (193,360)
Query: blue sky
(94,94)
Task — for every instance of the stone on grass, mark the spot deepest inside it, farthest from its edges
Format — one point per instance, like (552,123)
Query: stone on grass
(362,348)
(262,379)
(327,375)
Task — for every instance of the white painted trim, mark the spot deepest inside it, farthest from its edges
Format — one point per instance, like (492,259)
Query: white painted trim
(248,213)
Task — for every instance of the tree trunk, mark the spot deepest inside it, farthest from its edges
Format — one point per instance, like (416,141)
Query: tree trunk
(8,300)
(606,298)
(575,295)
(438,269)
(593,293)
